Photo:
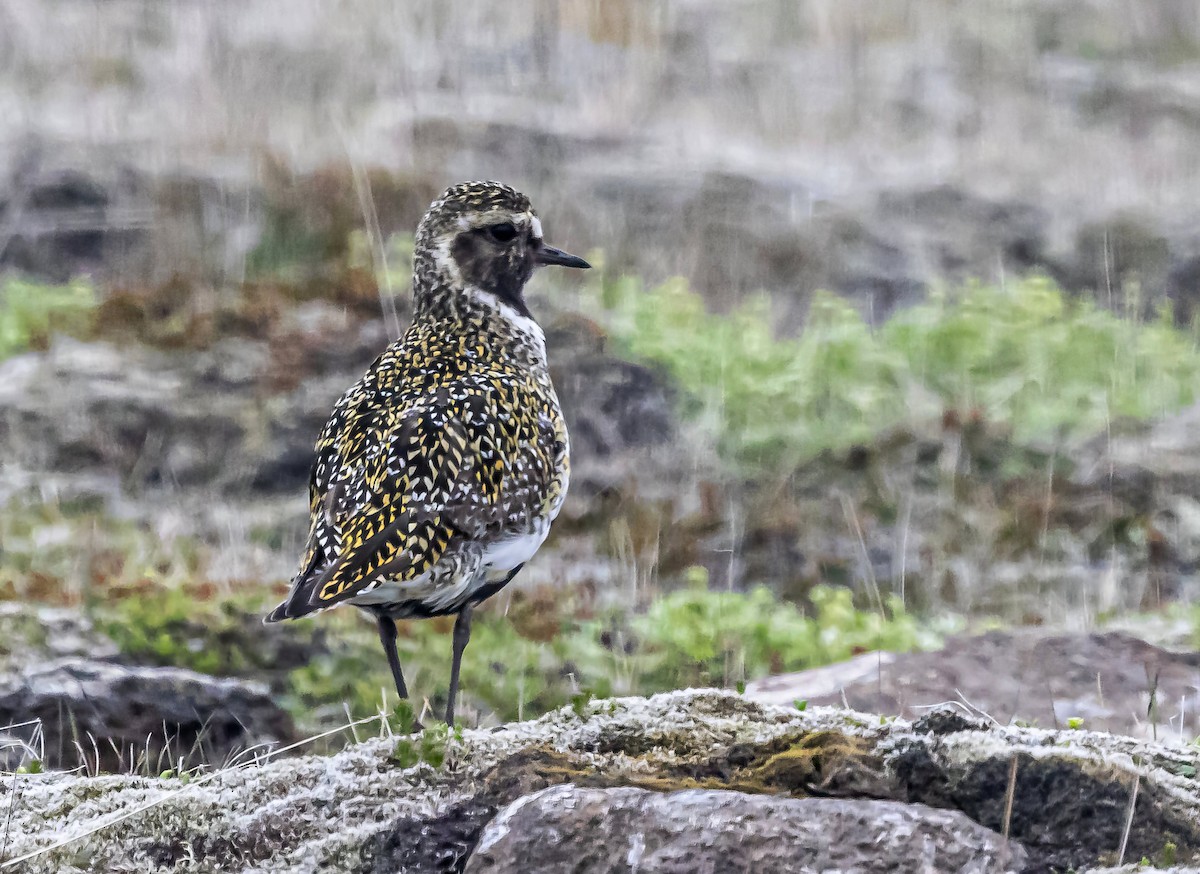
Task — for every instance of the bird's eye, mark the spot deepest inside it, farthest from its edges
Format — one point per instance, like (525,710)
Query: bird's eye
(505,232)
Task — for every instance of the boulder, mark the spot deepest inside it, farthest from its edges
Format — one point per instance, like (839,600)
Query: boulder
(1110,681)
(615,831)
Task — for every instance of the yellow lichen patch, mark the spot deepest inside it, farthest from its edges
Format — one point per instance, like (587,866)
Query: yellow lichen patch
(814,760)
(794,765)
(534,768)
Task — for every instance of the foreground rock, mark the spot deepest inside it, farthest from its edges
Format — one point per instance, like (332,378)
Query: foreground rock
(361,810)
(616,830)
(109,717)
(1112,681)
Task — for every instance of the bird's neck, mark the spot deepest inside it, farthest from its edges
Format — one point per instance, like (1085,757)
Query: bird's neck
(473,313)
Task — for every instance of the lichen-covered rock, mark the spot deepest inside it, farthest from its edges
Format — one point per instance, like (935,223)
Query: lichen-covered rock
(620,831)
(362,810)
(110,717)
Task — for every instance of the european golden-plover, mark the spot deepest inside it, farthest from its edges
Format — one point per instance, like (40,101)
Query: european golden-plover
(440,471)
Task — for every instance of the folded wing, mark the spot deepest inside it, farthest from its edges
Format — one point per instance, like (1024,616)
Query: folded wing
(385,505)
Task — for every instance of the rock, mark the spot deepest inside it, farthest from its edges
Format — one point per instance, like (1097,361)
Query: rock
(110,717)
(65,215)
(819,684)
(633,830)
(360,810)
(1105,679)
(961,235)
(32,634)
(1162,457)
(1183,289)
(156,419)
(617,411)
(1112,255)
(432,844)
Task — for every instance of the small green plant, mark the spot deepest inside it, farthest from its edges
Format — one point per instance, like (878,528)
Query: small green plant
(30,312)
(1169,854)
(32,766)
(579,703)
(801,704)
(404,717)
(431,746)
(1075,722)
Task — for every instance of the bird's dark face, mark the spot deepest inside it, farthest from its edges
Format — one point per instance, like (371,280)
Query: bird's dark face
(486,236)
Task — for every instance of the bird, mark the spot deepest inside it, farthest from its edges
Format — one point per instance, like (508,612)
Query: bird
(440,471)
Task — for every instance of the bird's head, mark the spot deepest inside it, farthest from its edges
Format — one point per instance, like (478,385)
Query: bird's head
(485,236)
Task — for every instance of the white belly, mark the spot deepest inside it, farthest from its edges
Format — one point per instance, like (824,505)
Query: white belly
(506,554)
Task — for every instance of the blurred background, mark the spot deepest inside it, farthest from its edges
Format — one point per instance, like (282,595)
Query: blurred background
(892,341)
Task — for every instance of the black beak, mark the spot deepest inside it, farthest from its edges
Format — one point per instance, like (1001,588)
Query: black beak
(550,255)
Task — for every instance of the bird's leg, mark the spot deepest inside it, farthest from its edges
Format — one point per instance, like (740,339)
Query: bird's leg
(462,633)
(387,636)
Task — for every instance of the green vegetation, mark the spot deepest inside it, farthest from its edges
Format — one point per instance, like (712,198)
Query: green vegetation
(687,638)
(694,637)
(328,671)
(1025,356)
(30,312)
(188,628)
(429,745)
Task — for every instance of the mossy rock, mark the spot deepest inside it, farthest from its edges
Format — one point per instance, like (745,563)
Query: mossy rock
(358,810)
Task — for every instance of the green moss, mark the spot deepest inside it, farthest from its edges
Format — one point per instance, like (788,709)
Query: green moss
(804,761)
(430,746)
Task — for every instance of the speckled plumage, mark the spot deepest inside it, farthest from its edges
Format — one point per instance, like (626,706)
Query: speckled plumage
(440,471)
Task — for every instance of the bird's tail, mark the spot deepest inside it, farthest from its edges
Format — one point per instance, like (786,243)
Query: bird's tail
(312,566)
(278,614)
